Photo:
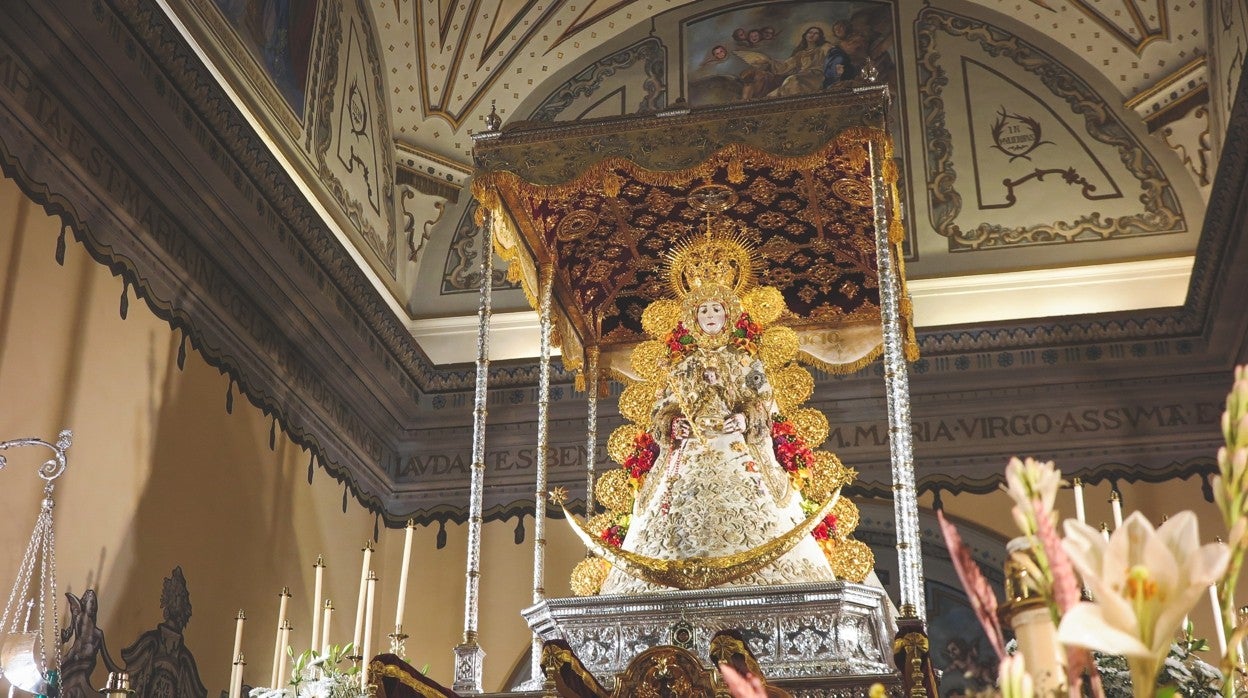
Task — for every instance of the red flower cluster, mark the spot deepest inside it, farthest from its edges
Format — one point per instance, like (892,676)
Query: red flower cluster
(745,333)
(680,340)
(614,535)
(791,452)
(826,528)
(641,460)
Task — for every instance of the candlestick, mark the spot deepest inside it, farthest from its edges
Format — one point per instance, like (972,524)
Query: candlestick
(358,635)
(1217,619)
(1080,514)
(407,559)
(319,585)
(329,614)
(368,630)
(278,649)
(238,641)
(398,641)
(236,677)
(1115,503)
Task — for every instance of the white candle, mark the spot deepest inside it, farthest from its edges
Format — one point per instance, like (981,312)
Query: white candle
(1105,530)
(278,648)
(1217,619)
(282,678)
(358,636)
(236,678)
(238,642)
(319,569)
(1080,514)
(1116,505)
(368,631)
(329,615)
(407,559)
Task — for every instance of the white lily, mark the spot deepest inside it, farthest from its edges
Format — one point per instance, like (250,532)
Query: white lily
(1145,581)
(1028,481)
(1013,679)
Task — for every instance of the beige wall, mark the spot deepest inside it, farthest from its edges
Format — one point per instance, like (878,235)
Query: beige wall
(160,475)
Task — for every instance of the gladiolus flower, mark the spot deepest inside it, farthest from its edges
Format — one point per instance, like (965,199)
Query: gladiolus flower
(1031,484)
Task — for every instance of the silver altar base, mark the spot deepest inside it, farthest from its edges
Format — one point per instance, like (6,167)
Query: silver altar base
(816,632)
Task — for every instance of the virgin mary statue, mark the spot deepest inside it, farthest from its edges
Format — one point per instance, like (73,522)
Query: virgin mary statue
(720,484)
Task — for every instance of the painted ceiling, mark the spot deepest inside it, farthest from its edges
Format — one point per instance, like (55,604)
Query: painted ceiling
(1056,155)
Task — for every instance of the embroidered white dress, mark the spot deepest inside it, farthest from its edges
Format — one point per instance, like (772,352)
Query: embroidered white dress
(719,491)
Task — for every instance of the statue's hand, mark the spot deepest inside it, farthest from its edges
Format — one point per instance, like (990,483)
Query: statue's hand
(734,424)
(681,429)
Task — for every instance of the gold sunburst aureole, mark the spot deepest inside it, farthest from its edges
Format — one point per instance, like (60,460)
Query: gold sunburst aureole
(778,346)
(660,317)
(620,443)
(636,400)
(811,425)
(614,491)
(700,572)
(852,560)
(792,385)
(723,256)
(847,517)
(588,576)
(765,304)
(649,360)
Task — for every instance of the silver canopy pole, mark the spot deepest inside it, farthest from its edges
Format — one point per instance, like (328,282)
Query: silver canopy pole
(546,291)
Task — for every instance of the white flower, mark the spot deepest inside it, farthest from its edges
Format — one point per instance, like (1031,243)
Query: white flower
(1014,680)
(1031,484)
(1144,580)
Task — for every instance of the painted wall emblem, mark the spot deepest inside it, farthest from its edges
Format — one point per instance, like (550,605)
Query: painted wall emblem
(1016,135)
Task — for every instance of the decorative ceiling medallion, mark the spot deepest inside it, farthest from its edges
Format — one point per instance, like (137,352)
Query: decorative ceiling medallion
(712,198)
(852,191)
(575,225)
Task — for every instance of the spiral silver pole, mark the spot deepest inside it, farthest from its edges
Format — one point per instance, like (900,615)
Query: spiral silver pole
(591,426)
(897,396)
(547,282)
(469,657)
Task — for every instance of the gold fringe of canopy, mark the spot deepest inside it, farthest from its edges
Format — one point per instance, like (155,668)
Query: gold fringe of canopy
(603,200)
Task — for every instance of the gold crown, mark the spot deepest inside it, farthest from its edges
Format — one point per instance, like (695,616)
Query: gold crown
(721,256)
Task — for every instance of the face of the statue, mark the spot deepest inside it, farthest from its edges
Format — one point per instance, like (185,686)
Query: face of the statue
(711,317)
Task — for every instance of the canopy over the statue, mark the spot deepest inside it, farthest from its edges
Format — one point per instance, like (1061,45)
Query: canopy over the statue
(602,201)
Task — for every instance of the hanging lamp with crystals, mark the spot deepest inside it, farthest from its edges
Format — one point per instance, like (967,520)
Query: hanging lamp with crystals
(31,606)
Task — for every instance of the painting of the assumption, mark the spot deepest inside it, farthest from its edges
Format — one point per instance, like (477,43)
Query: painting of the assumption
(278,33)
(784,49)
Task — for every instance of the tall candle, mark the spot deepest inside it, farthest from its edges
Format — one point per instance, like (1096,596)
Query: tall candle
(368,631)
(278,649)
(1116,505)
(1105,530)
(1079,511)
(1217,619)
(358,636)
(319,569)
(236,679)
(238,643)
(281,666)
(329,615)
(407,559)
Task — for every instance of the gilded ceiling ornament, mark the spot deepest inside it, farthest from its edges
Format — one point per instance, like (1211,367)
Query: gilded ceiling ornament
(765,304)
(811,425)
(791,385)
(852,191)
(614,491)
(852,560)
(700,572)
(636,400)
(588,576)
(650,360)
(712,198)
(620,443)
(575,225)
(778,346)
(660,317)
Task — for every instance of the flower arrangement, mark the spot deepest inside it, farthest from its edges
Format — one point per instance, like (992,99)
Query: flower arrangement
(745,333)
(1127,633)
(316,675)
(680,341)
(791,452)
(641,459)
